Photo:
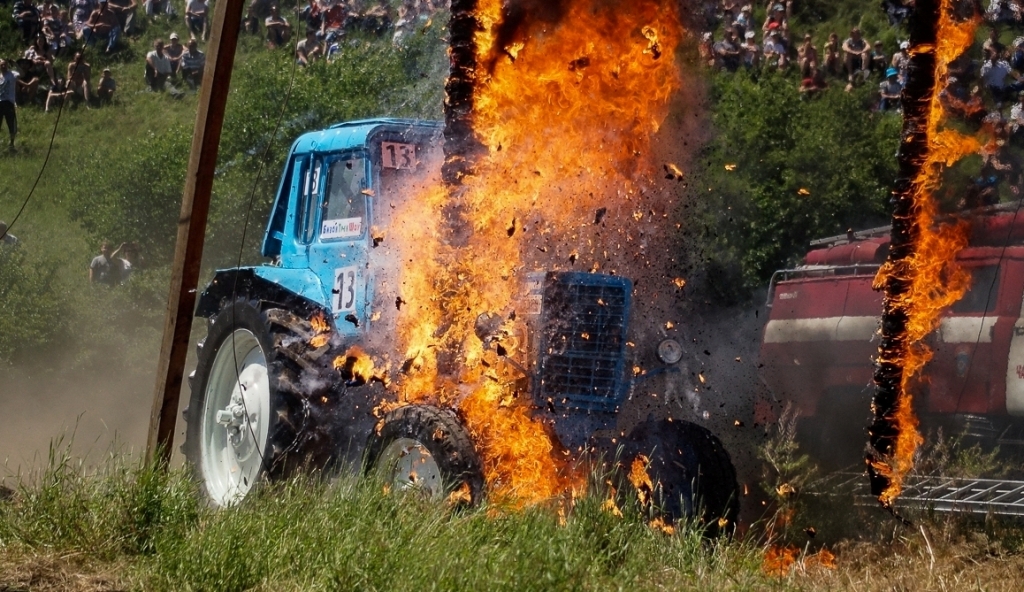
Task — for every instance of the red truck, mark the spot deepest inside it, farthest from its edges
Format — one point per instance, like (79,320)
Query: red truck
(821,337)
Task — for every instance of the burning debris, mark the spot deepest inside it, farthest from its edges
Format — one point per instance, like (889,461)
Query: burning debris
(920,277)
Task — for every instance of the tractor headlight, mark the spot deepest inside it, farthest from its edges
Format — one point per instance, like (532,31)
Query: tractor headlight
(670,351)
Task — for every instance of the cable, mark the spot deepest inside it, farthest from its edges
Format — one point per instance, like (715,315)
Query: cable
(46,160)
(241,249)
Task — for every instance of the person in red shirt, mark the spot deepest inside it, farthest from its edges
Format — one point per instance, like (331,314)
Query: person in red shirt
(334,16)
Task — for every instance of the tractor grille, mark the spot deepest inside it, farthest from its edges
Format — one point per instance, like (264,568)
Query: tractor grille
(582,340)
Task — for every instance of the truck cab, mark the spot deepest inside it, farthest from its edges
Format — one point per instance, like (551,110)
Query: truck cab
(820,340)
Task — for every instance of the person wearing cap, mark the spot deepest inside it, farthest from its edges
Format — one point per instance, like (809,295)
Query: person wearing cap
(173,51)
(107,86)
(890,90)
(744,20)
(158,67)
(727,51)
(193,64)
(79,77)
(807,57)
(751,52)
(855,55)
(102,24)
(776,17)
(8,97)
(901,60)
(195,17)
(124,10)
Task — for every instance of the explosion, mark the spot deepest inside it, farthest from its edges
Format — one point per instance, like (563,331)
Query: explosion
(551,110)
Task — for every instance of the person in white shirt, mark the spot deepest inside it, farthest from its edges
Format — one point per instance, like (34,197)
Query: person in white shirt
(158,66)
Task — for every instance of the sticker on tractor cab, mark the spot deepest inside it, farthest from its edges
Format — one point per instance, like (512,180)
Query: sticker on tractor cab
(398,156)
(341,228)
(343,296)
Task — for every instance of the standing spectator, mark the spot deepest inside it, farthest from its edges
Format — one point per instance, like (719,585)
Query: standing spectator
(831,51)
(41,57)
(890,90)
(158,7)
(125,11)
(173,51)
(807,55)
(27,18)
(994,72)
(6,238)
(8,95)
(158,67)
(79,77)
(279,32)
(55,27)
(879,61)
(81,10)
(104,268)
(195,17)
(855,56)
(193,64)
(706,47)
(727,51)
(102,24)
(308,49)
(751,52)
(105,89)
(775,50)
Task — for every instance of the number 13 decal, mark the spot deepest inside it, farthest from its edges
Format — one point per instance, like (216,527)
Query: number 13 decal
(344,293)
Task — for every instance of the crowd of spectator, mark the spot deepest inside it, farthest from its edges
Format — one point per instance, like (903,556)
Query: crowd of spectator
(57,30)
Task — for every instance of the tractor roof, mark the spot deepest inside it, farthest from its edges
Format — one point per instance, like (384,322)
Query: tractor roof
(355,134)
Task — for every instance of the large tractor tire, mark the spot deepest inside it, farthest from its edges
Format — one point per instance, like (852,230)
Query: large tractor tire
(242,418)
(427,450)
(692,475)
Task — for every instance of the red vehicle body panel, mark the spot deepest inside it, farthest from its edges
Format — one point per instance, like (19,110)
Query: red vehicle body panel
(821,336)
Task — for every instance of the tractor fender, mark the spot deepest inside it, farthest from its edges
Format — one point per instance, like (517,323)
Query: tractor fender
(296,290)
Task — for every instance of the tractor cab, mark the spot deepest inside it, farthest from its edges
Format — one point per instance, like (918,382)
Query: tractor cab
(338,186)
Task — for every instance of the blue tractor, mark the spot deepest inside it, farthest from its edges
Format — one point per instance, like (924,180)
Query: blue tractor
(269,397)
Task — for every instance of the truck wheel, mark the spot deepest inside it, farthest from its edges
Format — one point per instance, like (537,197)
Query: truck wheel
(426,449)
(691,471)
(239,420)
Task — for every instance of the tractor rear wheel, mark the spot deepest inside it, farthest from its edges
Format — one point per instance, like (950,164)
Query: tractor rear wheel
(690,470)
(426,449)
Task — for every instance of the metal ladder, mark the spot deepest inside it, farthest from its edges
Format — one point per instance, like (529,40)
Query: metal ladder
(940,494)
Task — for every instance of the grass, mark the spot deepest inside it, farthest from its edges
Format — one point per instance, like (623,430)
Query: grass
(124,525)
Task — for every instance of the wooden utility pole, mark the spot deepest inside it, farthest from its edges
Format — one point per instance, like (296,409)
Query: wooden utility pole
(195,205)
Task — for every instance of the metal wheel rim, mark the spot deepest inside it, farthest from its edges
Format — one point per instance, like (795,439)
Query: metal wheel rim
(236,413)
(411,467)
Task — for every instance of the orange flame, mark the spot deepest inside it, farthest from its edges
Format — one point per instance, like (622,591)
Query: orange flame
(356,364)
(780,560)
(565,114)
(322,329)
(936,280)
(640,479)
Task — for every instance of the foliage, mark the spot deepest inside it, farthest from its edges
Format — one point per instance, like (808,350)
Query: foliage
(783,170)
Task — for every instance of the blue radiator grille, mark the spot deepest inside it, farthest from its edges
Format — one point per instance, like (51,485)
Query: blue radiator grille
(583,338)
